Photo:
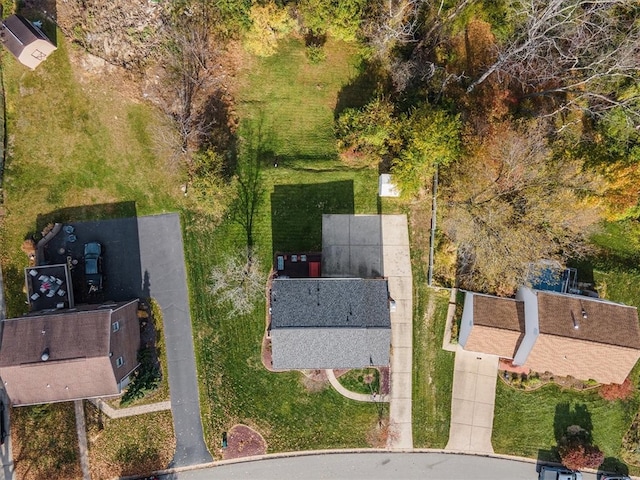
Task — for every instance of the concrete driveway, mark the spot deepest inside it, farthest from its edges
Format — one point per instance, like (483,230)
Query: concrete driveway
(397,269)
(472,403)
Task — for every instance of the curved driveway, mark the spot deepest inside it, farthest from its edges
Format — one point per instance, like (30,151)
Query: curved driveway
(371,466)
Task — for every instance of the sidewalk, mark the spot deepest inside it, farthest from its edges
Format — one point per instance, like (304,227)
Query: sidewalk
(81,430)
(359,397)
(130,411)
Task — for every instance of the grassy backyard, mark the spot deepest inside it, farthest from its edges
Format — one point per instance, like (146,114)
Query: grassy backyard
(77,147)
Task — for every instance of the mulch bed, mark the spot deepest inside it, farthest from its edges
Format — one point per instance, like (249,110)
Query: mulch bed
(243,441)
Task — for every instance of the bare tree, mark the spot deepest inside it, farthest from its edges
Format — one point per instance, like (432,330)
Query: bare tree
(238,283)
(392,22)
(396,23)
(187,57)
(584,54)
(510,204)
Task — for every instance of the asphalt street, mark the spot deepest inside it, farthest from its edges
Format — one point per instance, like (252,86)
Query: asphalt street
(372,466)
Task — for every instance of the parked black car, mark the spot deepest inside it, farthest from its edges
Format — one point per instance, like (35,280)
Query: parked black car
(93,266)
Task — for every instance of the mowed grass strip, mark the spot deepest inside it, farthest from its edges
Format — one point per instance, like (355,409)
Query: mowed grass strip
(432,367)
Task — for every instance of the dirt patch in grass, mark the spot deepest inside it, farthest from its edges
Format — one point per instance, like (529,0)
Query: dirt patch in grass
(314,380)
(380,434)
(243,441)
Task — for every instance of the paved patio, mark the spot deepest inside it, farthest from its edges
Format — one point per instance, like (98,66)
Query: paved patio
(472,403)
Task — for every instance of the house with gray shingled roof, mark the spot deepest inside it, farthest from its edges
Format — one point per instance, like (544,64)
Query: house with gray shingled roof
(339,320)
(330,323)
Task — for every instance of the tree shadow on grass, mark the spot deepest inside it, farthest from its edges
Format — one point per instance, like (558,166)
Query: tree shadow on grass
(370,81)
(82,213)
(566,417)
(296,213)
(255,153)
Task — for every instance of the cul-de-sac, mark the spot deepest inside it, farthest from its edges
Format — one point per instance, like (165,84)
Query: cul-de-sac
(351,239)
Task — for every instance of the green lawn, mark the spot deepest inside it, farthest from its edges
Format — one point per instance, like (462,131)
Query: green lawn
(365,380)
(292,102)
(529,424)
(432,366)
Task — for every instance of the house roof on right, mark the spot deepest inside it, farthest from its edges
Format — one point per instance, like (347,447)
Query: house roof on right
(568,335)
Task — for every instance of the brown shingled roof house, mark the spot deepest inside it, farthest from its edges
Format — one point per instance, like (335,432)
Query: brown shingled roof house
(85,352)
(567,335)
(25,41)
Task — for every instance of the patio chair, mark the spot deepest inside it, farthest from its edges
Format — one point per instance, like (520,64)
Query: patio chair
(35,296)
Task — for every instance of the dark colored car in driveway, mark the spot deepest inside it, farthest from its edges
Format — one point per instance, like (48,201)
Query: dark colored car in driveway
(93,266)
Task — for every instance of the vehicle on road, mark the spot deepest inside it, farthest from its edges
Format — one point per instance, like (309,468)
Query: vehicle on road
(93,266)
(614,476)
(558,473)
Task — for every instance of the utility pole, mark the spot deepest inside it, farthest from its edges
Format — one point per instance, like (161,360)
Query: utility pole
(433,225)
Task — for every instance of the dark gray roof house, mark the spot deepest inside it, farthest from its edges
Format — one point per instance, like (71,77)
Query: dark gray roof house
(25,41)
(329,323)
